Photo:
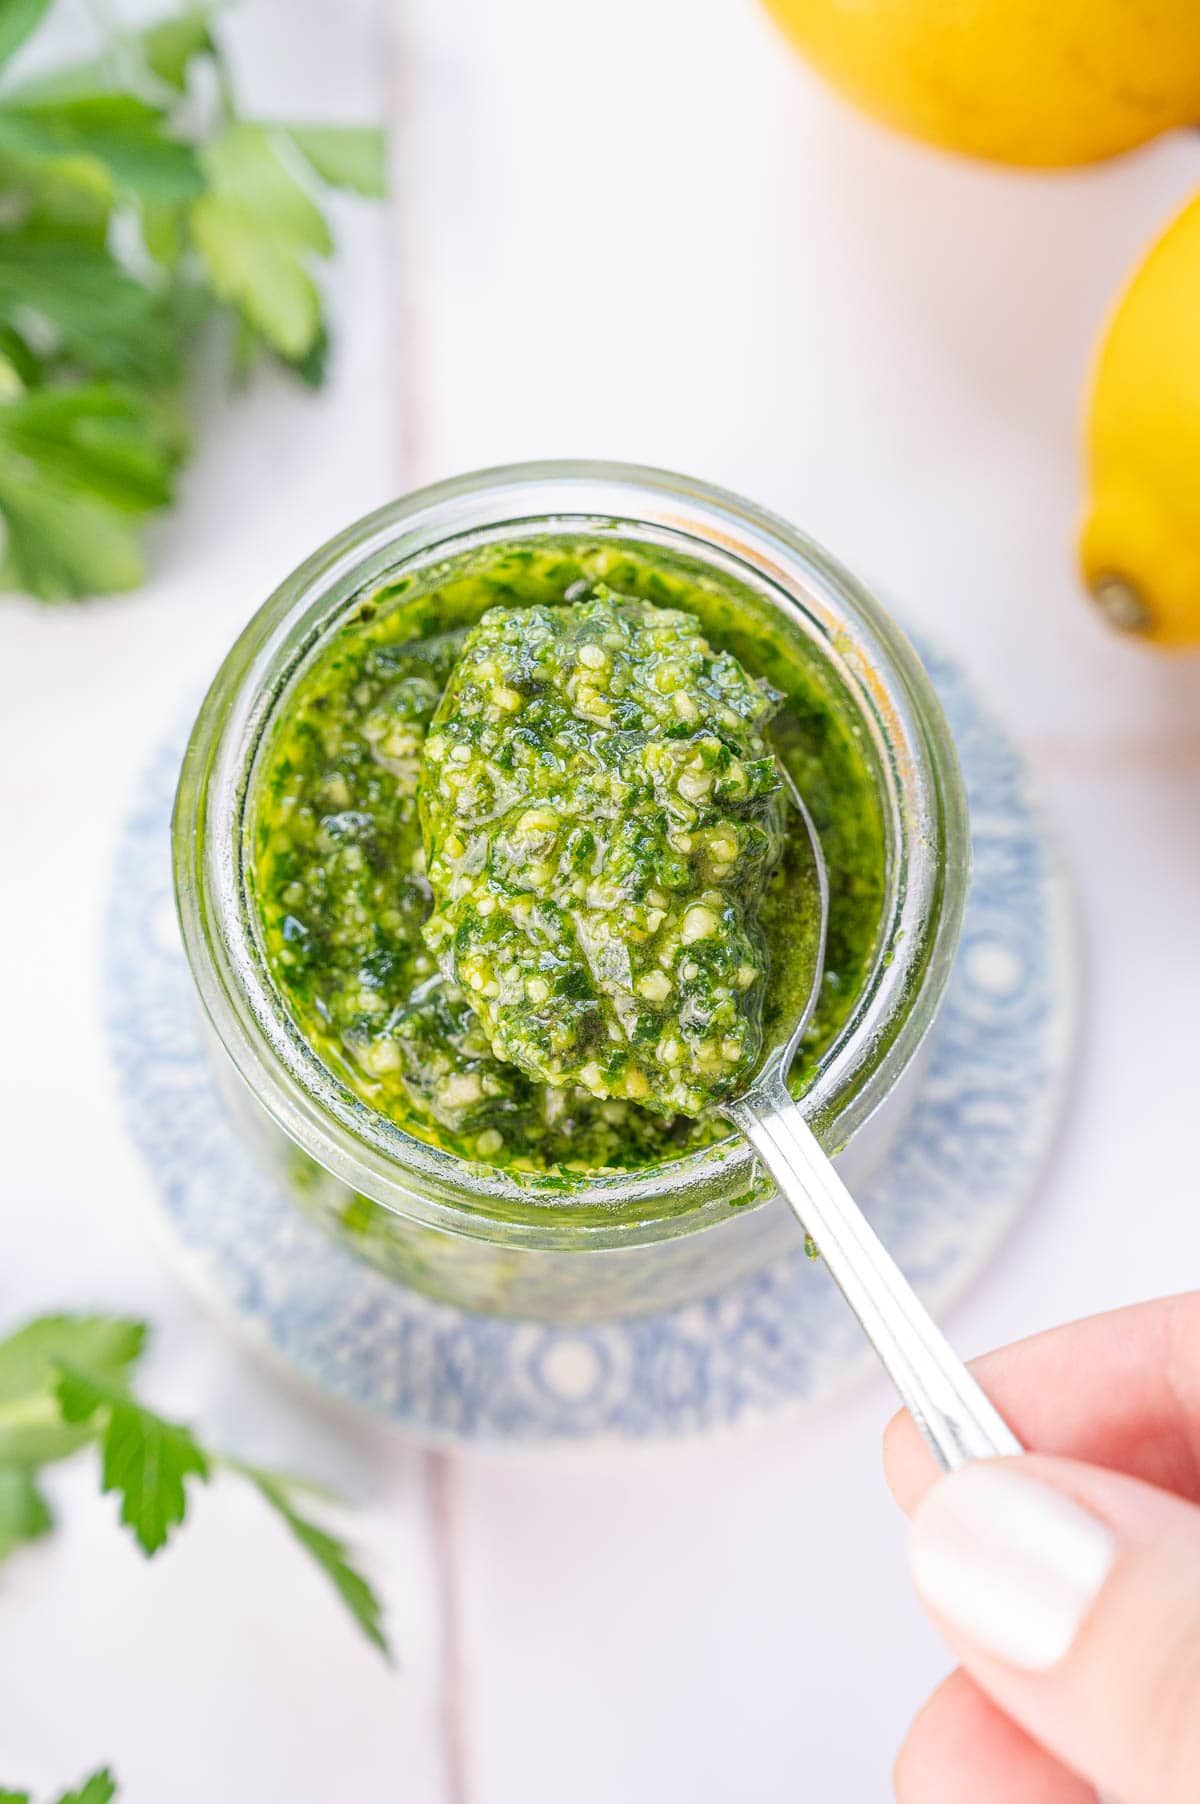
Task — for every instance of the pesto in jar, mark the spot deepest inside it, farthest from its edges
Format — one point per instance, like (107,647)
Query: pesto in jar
(602,811)
(555,743)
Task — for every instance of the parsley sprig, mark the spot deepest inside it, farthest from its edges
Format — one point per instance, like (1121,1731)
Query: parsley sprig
(137,203)
(99,1788)
(65,1385)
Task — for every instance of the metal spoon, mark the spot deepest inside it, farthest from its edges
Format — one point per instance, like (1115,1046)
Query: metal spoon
(944,1400)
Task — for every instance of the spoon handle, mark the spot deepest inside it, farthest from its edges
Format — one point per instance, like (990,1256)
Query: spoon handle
(944,1400)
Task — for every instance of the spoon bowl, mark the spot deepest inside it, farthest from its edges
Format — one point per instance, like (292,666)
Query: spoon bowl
(798,965)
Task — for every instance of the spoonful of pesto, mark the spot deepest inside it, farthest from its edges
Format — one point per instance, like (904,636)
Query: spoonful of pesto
(602,813)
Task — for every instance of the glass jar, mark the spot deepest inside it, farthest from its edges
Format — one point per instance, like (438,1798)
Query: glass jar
(469,1233)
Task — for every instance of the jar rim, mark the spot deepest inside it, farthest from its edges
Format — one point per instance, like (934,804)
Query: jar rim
(876,667)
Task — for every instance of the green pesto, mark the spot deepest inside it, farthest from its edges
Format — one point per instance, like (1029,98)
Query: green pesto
(602,812)
(344,896)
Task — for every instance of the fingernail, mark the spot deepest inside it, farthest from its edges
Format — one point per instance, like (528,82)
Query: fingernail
(1011,1564)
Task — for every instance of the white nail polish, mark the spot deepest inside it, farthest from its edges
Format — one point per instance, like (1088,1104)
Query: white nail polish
(1011,1564)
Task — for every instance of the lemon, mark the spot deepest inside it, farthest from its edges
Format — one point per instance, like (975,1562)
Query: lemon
(1140,543)
(1038,82)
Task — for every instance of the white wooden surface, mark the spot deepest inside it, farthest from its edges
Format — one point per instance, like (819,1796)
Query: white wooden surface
(635,231)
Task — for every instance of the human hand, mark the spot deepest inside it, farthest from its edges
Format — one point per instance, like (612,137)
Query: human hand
(1067,1581)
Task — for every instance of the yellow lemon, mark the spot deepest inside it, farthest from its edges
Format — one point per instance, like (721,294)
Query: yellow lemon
(1038,82)
(1140,544)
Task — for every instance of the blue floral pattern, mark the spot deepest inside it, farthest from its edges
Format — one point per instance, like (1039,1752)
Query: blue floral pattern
(985,1111)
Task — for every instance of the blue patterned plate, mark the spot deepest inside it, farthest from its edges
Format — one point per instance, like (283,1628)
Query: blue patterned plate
(986,1109)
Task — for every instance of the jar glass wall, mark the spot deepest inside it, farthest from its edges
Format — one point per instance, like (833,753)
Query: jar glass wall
(521,1243)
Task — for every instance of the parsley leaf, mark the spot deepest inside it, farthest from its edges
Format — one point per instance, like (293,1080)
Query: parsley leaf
(107,1344)
(146,1458)
(64,1383)
(79,468)
(147,63)
(137,205)
(101,1788)
(257,230)
(330,1554)
(344,156)
(24,1513)
(17,19)
(98,315)
(170,47)
(32,1431)
(69,199)
(120,135)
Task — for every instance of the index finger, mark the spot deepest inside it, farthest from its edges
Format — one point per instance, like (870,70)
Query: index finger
(1120,1390)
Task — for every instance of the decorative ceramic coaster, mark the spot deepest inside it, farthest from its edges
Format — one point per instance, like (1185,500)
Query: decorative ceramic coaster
(986,1109)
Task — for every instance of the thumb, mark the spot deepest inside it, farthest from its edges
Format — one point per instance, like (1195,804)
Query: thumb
(1072,1595)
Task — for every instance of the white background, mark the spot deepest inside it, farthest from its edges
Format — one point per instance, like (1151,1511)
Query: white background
(639,231)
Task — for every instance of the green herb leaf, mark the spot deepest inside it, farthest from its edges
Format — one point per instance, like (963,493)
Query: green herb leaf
(102,318)
(164,232)
(25,366)
(145,63)
(172,46)
(258,274)
(221,206)
(120,133)
(244,166)
(213,212)
(17,19)
(101,1788)
(249,347)
(32,1432)
(24,1513)
(344,156)
(108,1345)
(71,198)
(78,469)
(331,1556)
(64,1383)
(313,367)
(256,230)
(146,1458)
